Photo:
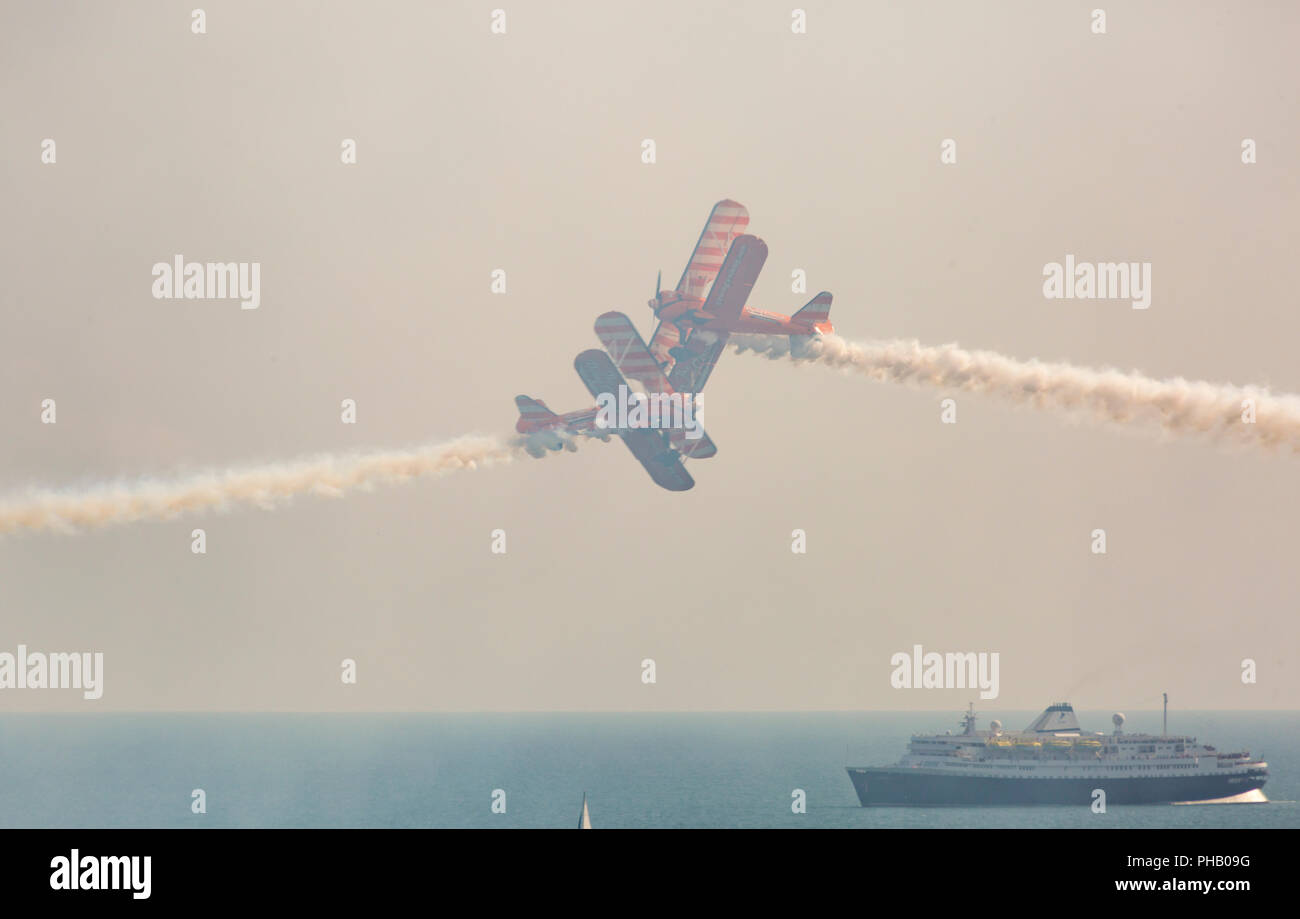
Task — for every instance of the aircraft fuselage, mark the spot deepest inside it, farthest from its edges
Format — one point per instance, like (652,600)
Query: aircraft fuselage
(684,310)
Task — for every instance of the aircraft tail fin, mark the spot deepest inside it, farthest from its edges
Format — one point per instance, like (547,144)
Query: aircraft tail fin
(817,313)
(543,429)
(532,412)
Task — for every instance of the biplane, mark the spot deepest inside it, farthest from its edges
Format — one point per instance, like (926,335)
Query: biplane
(695,319)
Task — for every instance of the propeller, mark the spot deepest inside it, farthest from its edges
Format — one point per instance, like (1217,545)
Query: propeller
(656,303)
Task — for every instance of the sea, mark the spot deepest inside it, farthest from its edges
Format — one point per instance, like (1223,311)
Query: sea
(661,770)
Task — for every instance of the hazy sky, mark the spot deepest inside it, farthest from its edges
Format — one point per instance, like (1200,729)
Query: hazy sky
(523,151)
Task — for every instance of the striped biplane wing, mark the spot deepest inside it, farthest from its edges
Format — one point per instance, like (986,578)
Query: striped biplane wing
(634,360)
(631,356)
(726,222)
(694,360)
(649,446)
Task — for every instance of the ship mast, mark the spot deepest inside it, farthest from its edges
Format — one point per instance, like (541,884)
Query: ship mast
(1164,731)
(968,720)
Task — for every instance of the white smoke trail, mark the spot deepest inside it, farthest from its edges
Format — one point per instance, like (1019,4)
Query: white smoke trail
(1179,406)
(263,486)
(1214,410)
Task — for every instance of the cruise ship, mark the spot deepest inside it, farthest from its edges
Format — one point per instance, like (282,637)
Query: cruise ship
(1053,761)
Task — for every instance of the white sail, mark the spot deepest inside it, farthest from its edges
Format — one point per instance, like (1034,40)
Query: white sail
(584,823)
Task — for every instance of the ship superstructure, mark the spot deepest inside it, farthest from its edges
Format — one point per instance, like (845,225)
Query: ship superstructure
(1053,761)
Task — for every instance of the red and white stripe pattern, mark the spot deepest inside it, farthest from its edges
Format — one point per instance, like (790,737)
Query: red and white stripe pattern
(625,345)
(816,312)
(634,360)
(727,220)
(535,416)
(666,337)
(533,413)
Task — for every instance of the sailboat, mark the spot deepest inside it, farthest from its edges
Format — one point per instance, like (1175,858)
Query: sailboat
(584,822)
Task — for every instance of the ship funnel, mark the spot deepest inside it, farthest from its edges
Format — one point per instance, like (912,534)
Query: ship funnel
(1057,717)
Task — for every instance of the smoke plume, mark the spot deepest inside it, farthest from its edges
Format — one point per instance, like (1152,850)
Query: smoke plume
(1214,410)
(263,486)
(1217,411)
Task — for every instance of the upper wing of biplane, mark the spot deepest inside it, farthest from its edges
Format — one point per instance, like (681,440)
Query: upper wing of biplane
(601,377)
(727,220)
(634,360)
(695,360)
(740,270)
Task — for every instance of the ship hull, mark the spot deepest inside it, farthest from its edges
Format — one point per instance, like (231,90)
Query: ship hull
(884,786)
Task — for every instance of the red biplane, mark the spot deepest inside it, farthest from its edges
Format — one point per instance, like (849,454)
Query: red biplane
(695,320)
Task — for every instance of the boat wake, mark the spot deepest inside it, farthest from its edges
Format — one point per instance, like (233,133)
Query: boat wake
(1255,796)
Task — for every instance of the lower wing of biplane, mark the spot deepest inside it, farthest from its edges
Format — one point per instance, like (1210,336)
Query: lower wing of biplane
(659,425)
(634,360)
(652,447)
